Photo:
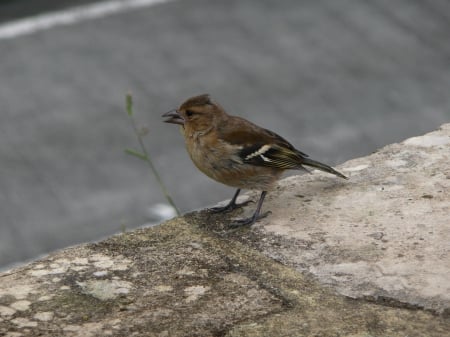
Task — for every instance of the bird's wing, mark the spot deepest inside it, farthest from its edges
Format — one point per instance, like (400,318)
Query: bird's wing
(271,155)
(259,146)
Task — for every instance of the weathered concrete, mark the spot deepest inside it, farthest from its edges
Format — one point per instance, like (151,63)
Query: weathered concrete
(383,234)
(364,257)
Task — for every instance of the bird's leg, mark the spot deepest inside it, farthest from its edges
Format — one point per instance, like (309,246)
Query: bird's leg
(231,205)
(255,217)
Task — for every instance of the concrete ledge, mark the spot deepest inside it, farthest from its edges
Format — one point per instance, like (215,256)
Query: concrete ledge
(365,257)
(384,234)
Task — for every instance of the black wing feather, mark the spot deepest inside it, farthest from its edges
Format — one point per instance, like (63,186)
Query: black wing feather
(271,156)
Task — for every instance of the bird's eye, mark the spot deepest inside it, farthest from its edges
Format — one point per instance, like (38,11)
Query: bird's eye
(189,113)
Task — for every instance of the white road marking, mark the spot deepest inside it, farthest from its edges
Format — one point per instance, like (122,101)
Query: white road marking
(70,16)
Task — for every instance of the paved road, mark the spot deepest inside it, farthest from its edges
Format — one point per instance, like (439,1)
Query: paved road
(338,79)
(11,10)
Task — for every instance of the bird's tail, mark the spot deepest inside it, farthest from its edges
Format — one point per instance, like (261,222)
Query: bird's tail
(322,167)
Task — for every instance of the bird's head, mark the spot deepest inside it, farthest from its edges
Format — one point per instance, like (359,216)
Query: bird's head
(196,114)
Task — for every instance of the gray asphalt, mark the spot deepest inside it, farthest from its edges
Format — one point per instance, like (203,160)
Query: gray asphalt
(337,79)
(11,10)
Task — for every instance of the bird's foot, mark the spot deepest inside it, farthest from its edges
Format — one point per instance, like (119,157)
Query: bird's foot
(228,208)
(249,221)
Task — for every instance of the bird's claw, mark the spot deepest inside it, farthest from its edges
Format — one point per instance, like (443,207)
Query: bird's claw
(228,208)
(248,221)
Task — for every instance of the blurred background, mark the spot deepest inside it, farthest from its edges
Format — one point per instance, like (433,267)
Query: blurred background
(338,79)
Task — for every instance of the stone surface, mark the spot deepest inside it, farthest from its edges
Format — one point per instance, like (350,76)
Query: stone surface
(364,257)
(385,233)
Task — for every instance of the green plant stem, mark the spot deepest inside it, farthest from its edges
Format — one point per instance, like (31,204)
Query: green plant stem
(146,156)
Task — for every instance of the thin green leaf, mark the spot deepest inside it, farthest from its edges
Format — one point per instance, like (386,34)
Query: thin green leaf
(136,154)
(129,104)
(144,154)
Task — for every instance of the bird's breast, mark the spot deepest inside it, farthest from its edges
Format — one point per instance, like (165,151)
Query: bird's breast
(220,161)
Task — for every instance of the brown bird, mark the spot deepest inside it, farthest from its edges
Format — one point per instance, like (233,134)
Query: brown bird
(236,152)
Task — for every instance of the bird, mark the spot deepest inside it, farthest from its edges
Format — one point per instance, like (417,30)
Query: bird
(237,152)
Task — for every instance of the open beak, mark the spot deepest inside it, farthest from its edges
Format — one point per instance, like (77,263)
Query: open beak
(173,117)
